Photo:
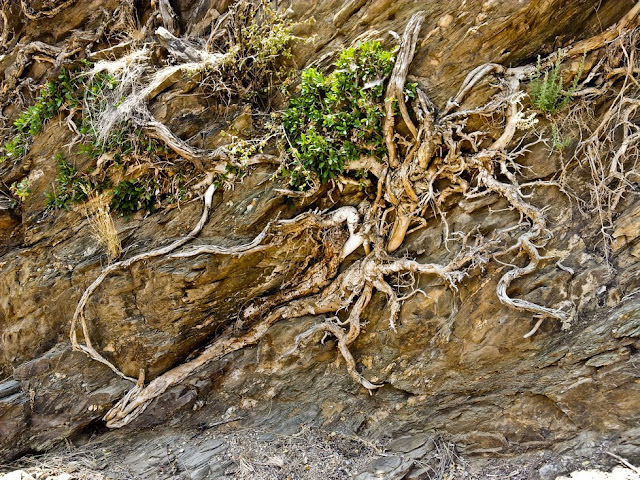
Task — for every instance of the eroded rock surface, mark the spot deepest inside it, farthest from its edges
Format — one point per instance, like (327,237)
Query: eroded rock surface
(458,367)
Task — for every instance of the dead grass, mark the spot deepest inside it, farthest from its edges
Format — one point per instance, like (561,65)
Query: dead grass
(98,213)
(306,454)
(57,467)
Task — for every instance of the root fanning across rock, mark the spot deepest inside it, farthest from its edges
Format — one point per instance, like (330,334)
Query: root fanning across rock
(79,317)
(434,161)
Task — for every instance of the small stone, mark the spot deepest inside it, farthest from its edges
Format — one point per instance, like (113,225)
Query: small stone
(445,21)
(200,473)
(16,475)
(548,471)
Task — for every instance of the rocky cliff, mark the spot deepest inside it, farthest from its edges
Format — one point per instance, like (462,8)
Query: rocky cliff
(461,303)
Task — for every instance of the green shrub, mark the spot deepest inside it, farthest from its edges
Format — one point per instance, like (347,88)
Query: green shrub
(70,188)
(546,91)
(129,196)
(338,117)
(21,189)
(73,187)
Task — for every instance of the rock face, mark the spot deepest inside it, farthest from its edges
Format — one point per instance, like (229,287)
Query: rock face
(458,364)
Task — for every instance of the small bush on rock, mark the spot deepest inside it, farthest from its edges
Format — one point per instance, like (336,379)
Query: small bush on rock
(338,117)
(547,91)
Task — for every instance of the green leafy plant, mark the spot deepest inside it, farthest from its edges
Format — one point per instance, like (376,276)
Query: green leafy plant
(71,188)
(15,148)
(21,189)
(129,196)
(547,90)
(126,197)
(558,143)
(53,96)
(338,117)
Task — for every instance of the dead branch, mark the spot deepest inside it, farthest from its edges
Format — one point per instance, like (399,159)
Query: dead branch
(178,47)
(250,247)
(395,88)
(471,80)
(197,156)
(31,15)
(5,29)
(624,462)
(78,315)
(169,17)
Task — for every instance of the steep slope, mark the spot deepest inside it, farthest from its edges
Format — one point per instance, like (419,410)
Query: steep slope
(474,228)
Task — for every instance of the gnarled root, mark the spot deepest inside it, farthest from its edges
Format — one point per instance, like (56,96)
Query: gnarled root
(329,301)
(78,315)
(330,326)
(52,12)
(356,282)
(525,244)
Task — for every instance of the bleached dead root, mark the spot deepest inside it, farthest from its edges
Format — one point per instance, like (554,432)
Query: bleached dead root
(130,101)
(438,161)
(38,14)
(79,317)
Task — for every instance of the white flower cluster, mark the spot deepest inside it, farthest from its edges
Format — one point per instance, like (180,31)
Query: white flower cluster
(525,122)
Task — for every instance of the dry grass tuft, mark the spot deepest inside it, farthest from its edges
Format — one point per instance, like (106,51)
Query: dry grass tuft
(98,212)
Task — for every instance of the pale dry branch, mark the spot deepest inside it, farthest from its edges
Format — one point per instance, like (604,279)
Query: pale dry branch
(525,244)
(471,80)
(4,38)
(395,87)
(78,316)
(169,17)
(52,12)
(250,247)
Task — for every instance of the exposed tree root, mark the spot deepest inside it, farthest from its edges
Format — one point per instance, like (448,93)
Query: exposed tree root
(395,88)
(134,404)
(427,171)
(52,12)
(78,315)
(608,153)
(332,327)
(357,282)
(169,17)
(4,37)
